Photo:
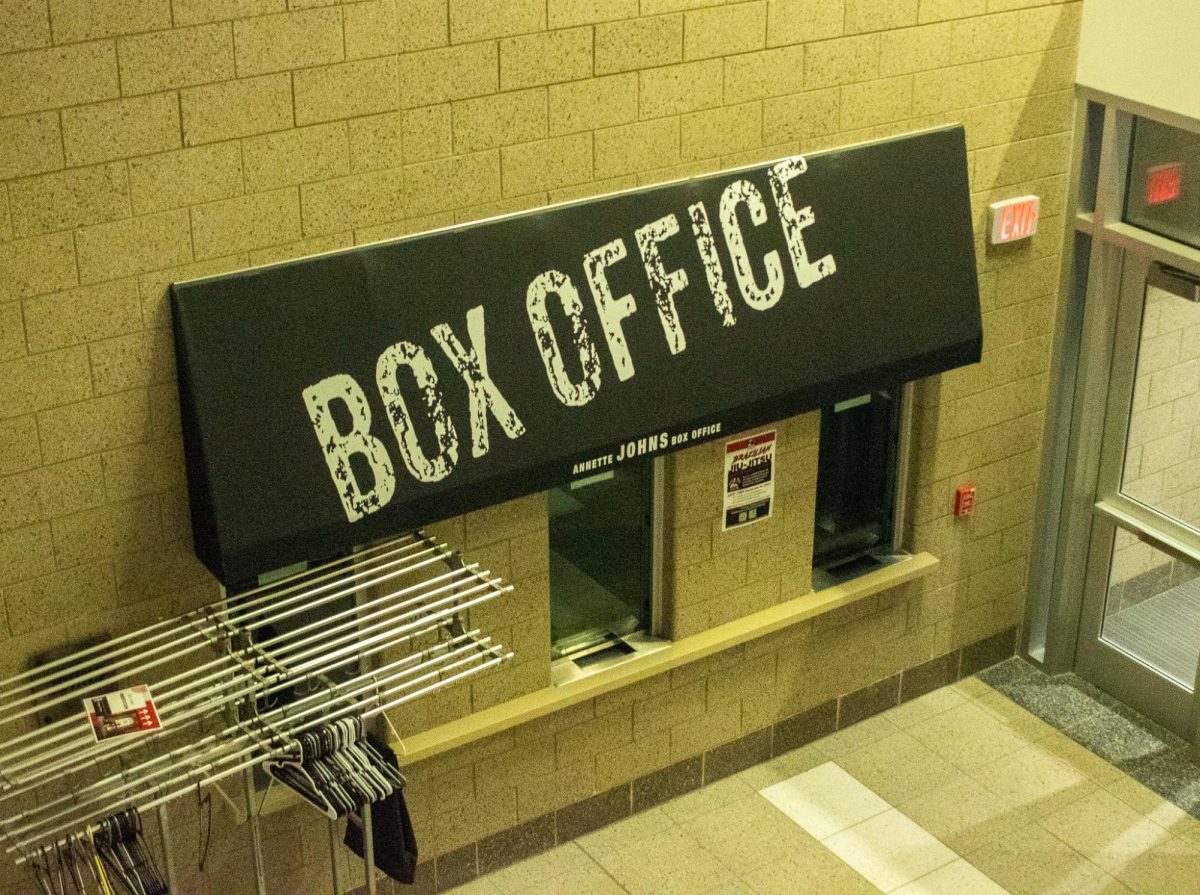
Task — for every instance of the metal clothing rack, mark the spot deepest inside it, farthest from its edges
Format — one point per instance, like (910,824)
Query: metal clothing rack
(233,688)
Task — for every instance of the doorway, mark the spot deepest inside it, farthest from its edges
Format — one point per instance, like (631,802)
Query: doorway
(1139,637)
(1116,587)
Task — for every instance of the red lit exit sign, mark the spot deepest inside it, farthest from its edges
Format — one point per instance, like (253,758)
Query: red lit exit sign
(1164,183)
(1014,219)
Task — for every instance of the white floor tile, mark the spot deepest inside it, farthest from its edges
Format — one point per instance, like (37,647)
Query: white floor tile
(890,850)
(956,878)
(825,800)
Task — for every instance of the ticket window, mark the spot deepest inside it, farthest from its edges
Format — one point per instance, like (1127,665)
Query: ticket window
(602,559)
(860,484)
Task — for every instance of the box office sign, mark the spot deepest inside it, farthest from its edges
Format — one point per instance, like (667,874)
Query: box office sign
(345,397)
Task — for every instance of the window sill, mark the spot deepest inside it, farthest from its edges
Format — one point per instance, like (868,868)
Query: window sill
(552,699)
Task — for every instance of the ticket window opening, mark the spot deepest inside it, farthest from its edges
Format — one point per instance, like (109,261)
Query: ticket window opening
(860,484)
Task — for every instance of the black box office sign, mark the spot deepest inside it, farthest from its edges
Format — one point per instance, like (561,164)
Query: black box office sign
(345,397)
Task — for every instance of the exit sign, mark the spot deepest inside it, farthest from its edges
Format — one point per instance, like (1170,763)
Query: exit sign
(1164,183)
(1014,219)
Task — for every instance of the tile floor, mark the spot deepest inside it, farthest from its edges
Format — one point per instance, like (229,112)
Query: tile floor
(1139,747)
(960,792)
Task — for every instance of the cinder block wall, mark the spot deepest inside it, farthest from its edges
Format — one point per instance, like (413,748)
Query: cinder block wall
(145,141)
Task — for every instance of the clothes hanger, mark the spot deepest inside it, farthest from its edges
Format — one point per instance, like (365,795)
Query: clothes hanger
(339,788)
(116,847)
(142,862)
(124,850)
(393,774)
(292,772)
(341,767)
(112,858)
(334,766)
(62,870)
(336,770)
(58,868)
(350,765)
(365,786)
(335,792)
(299,779)
(375,769)
(105,888)
(361,760)
(305,776)
(35,864)
(79,856)
(67,857)
(388,777)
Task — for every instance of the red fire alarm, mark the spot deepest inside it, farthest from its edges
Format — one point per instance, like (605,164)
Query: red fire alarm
(964,501)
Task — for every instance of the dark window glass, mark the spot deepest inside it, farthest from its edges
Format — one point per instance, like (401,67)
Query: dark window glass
(1164,181)
(1090,172)
(856,478)
(600,557)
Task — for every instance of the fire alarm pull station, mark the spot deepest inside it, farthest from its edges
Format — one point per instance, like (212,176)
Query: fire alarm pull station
(1014,219)
(964,501)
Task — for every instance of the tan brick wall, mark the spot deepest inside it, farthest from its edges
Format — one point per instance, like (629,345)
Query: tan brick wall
(715,576)
(152,140)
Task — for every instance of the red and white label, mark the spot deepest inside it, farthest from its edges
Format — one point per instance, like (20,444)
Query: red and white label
(1014,219)
(122,712)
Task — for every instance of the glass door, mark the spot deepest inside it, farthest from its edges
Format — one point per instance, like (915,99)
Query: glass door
(1140,632)
(1115,571)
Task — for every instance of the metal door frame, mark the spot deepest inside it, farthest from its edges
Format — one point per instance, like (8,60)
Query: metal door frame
(1079,501)
(1098,660)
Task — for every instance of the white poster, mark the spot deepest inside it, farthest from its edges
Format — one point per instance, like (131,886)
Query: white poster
(122,712)
(749,480)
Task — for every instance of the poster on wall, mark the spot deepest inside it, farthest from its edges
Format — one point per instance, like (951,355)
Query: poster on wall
(334,400)
(749,480)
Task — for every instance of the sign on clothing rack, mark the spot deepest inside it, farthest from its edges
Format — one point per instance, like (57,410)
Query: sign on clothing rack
(345,397)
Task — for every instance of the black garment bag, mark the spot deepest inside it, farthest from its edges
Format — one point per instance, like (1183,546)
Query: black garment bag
(395,844)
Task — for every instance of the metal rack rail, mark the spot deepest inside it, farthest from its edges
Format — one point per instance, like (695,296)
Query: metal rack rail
(234,684)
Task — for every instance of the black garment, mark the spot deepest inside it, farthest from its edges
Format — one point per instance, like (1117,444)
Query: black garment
(395,844)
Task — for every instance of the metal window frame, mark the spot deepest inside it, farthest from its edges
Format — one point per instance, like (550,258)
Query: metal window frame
(893,550)
(904,460)
(658,534)
(648,640)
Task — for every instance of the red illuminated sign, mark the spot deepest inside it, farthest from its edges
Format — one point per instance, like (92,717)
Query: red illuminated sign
(1164,183)
(1014,219)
